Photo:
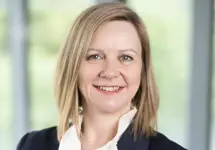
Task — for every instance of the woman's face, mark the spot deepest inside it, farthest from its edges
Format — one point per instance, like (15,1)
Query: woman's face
(110,74)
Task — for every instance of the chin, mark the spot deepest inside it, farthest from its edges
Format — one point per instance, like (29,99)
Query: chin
(109,110)
(112,109)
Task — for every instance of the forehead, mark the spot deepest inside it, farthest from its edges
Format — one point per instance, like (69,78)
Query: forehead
(116,35)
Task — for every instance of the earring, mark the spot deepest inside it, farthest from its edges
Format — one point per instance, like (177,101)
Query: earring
(80,110)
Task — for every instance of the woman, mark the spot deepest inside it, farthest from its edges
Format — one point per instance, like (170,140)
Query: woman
(105,87)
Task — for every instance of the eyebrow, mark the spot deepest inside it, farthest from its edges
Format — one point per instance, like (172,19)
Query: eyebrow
(122,50)
(128,50)
(94,49)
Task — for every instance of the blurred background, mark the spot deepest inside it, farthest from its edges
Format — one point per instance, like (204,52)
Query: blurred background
(169,23)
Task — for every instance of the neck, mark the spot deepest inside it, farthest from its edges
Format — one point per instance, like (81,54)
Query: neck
(97,128)
(100,128)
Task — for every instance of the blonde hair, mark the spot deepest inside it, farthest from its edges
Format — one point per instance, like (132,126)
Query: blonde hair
(74,50)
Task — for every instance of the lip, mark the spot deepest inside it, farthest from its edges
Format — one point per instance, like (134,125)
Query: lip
(109,85)
(109,92)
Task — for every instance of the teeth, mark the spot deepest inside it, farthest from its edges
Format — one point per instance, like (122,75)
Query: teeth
(108,88)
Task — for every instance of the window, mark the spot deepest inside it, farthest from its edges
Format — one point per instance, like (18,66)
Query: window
(168,24)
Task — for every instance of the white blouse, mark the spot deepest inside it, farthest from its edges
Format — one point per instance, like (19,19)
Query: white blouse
(70,139)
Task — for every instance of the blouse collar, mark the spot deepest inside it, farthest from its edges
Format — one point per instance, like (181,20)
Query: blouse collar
(70,138)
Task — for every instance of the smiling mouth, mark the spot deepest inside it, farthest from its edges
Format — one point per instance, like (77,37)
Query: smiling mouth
(109,89)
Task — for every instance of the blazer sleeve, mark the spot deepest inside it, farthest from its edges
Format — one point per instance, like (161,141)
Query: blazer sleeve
(22,142)
(26,141)
(161,142)
(45,139)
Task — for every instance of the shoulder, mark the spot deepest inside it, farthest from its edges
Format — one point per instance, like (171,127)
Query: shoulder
(161,142)
(43,139)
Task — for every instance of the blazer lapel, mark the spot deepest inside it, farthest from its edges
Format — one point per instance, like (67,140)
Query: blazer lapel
(127,142)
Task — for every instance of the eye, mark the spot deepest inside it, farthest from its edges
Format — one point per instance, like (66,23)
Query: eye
(126,58)
(94,57)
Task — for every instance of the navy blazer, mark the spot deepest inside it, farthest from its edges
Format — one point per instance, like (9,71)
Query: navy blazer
(46,139)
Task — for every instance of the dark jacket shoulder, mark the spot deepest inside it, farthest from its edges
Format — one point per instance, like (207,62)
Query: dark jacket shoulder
(161,142)
(46,139)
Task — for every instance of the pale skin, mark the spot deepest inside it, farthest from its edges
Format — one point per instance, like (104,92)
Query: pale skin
(109,78)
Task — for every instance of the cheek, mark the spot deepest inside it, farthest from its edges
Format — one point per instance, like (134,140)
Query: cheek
(134,82)
(84,84)
(133,75)
(87,75)
(85,79)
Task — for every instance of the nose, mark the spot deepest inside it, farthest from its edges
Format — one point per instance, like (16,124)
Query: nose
(110,70)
